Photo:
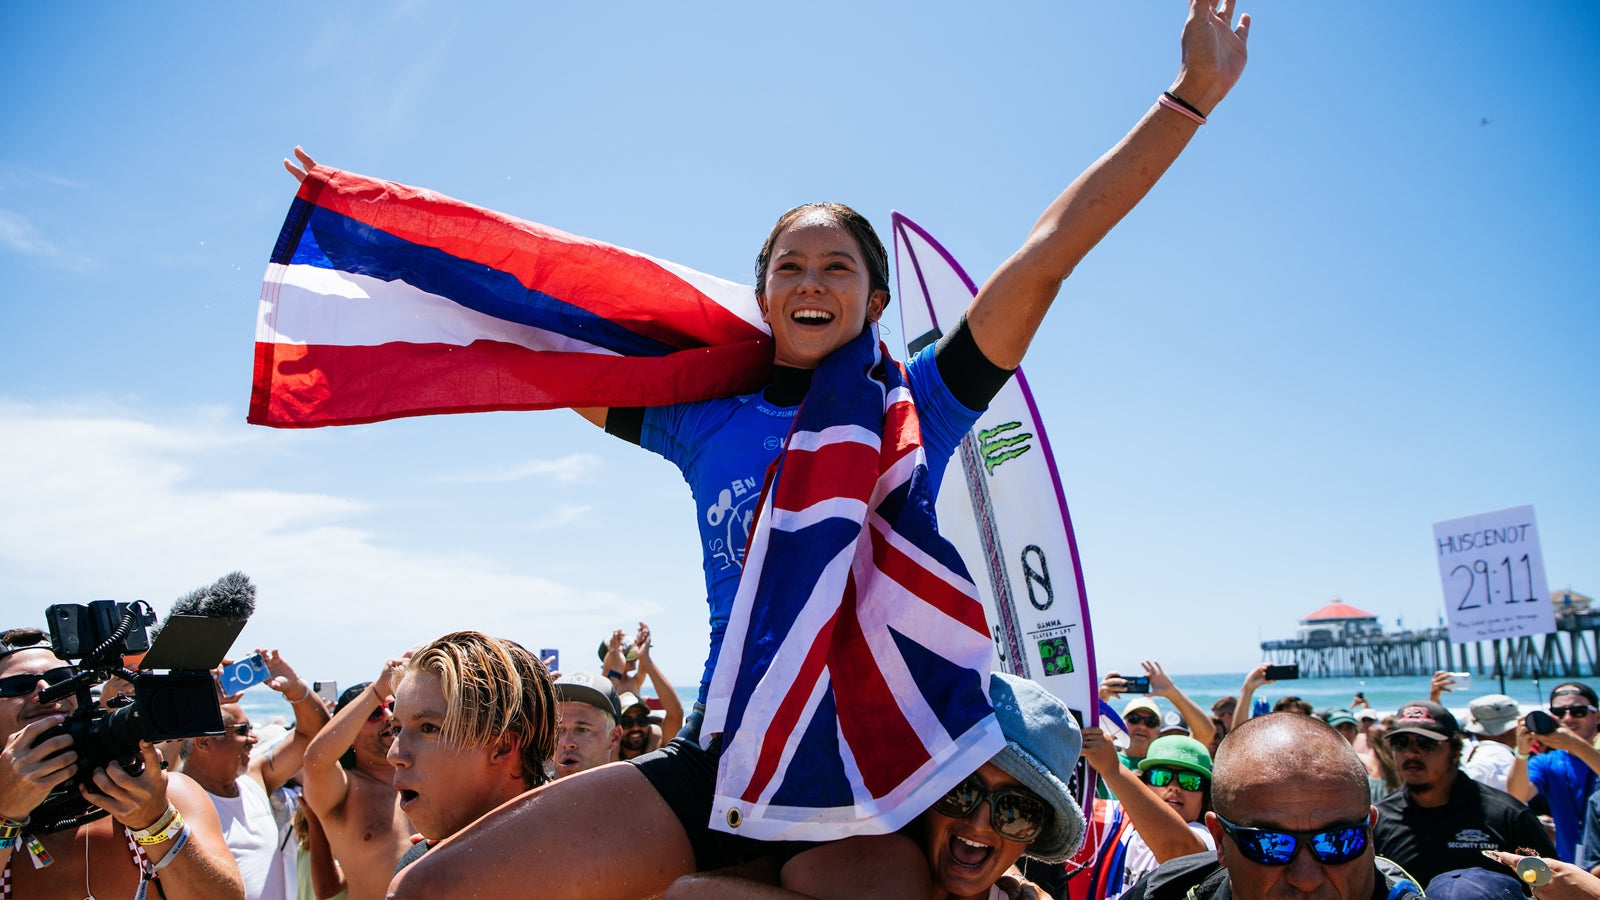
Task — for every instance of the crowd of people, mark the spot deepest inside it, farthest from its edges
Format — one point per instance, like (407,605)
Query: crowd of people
(1346,803)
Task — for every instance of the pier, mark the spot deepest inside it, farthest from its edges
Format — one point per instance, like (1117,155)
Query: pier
(1339,641)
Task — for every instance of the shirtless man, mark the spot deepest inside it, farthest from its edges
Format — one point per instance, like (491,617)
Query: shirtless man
(350,786)
(93,859)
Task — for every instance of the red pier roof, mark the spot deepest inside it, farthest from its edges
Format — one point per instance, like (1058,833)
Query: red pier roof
(1338,609)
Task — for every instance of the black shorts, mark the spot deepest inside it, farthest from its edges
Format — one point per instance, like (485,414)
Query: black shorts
(685,775)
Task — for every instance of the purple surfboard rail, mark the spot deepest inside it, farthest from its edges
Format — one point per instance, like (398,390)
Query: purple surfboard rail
(900,223)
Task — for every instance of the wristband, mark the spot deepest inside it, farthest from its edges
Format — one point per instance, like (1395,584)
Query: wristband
(10,842)
(159,825)
(613,673)
(1521,755)
(306,693)
(1172,102)
(174,826)
(149,871)
(11,828)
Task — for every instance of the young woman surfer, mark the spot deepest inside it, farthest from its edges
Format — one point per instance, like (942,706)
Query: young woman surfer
(822,278)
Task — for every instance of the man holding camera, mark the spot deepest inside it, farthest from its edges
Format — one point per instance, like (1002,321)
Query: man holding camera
(160,826)
(1564,769)
(1143,716)
(240,784)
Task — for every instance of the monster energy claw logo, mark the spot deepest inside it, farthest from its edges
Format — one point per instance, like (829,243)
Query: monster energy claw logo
(998,445)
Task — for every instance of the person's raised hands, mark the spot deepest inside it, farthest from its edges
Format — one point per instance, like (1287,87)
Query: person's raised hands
(1099,751)
(305,160)
(1160,683)
(641,643)
(283,680)
(1257,677)
(1441,682)
(1112,686)
(388,676)
(1213,53)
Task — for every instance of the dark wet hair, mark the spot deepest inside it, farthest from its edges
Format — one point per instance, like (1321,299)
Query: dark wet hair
(1574,687)
(874,256)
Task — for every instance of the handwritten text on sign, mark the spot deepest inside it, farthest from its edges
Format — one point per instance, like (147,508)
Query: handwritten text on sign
(1493,576)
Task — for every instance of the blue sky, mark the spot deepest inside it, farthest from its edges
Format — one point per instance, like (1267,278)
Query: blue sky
(1364,300)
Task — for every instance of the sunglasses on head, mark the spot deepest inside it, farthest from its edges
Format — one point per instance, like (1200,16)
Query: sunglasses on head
(635,721)
(1015,814)
(379,710)
(1189,781)
(1404,741)
(1577,712)
(23,685)
(1147,721)
(1333,845)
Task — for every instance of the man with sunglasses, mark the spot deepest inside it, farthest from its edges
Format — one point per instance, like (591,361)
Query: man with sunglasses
(164,813)
(1563,770)
(349,784)
(1441,820)
(240,782)
(1291,818)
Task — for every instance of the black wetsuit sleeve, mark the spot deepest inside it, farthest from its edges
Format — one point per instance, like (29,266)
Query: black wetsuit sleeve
(626,422)
(972,379)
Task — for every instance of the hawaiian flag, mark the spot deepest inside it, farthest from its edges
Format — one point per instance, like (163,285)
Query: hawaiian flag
(383,300)
(851,691)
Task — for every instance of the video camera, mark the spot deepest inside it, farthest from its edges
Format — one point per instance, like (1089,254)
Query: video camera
(180,703)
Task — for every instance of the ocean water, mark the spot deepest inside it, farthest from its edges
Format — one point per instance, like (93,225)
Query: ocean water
(1385,695)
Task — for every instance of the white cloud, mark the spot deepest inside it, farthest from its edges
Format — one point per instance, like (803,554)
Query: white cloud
(19,235)
(569,468)
(103,503)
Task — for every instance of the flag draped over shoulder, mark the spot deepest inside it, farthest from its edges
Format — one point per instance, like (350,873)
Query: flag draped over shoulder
(852,686)
(383,300)
(851,691)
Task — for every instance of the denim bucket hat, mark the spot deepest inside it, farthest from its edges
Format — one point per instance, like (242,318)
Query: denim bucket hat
(1042,746)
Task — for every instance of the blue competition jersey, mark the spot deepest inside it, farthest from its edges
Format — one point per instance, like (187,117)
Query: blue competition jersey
(723,448)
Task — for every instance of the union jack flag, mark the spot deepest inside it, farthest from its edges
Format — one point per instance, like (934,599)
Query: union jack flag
(851,691)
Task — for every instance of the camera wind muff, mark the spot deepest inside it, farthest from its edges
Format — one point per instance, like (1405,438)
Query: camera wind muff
(181,703)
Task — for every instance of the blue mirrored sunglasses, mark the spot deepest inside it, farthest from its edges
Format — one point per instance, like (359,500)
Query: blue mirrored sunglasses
(1333,845)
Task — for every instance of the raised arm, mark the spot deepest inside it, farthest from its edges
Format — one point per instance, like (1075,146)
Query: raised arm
(1247,693)
(326,784)
(670,704)
(1008,309)
(1199,721)
(279,764)
(1160,825)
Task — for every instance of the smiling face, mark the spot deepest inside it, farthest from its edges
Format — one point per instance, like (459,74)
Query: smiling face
(1585,726)
(443,788)
(1144,726)
(966,856)
(818,292)
(584,739)
(16,713)
(635,724)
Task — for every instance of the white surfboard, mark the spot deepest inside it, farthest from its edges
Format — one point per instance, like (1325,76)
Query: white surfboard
(1003,506)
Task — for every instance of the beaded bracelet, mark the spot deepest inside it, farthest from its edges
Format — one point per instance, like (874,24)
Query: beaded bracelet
(166,834)
(1178,105)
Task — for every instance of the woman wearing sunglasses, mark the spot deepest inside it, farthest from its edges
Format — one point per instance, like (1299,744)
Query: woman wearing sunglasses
(1017,804)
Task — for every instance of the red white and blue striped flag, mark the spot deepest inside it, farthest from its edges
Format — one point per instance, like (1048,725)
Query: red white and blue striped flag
(383,300)
(851,691)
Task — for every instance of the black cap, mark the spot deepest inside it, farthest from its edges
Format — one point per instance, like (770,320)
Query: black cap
(1426,718)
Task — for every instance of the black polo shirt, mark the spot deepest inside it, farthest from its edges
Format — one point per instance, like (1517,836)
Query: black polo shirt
(1428,841)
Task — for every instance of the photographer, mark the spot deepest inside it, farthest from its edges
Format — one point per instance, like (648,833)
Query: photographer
(240,784)
(166,816)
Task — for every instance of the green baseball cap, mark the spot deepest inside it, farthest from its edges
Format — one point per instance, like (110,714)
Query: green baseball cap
(1177,752)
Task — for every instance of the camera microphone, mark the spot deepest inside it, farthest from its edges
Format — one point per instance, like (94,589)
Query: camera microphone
(232,596)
